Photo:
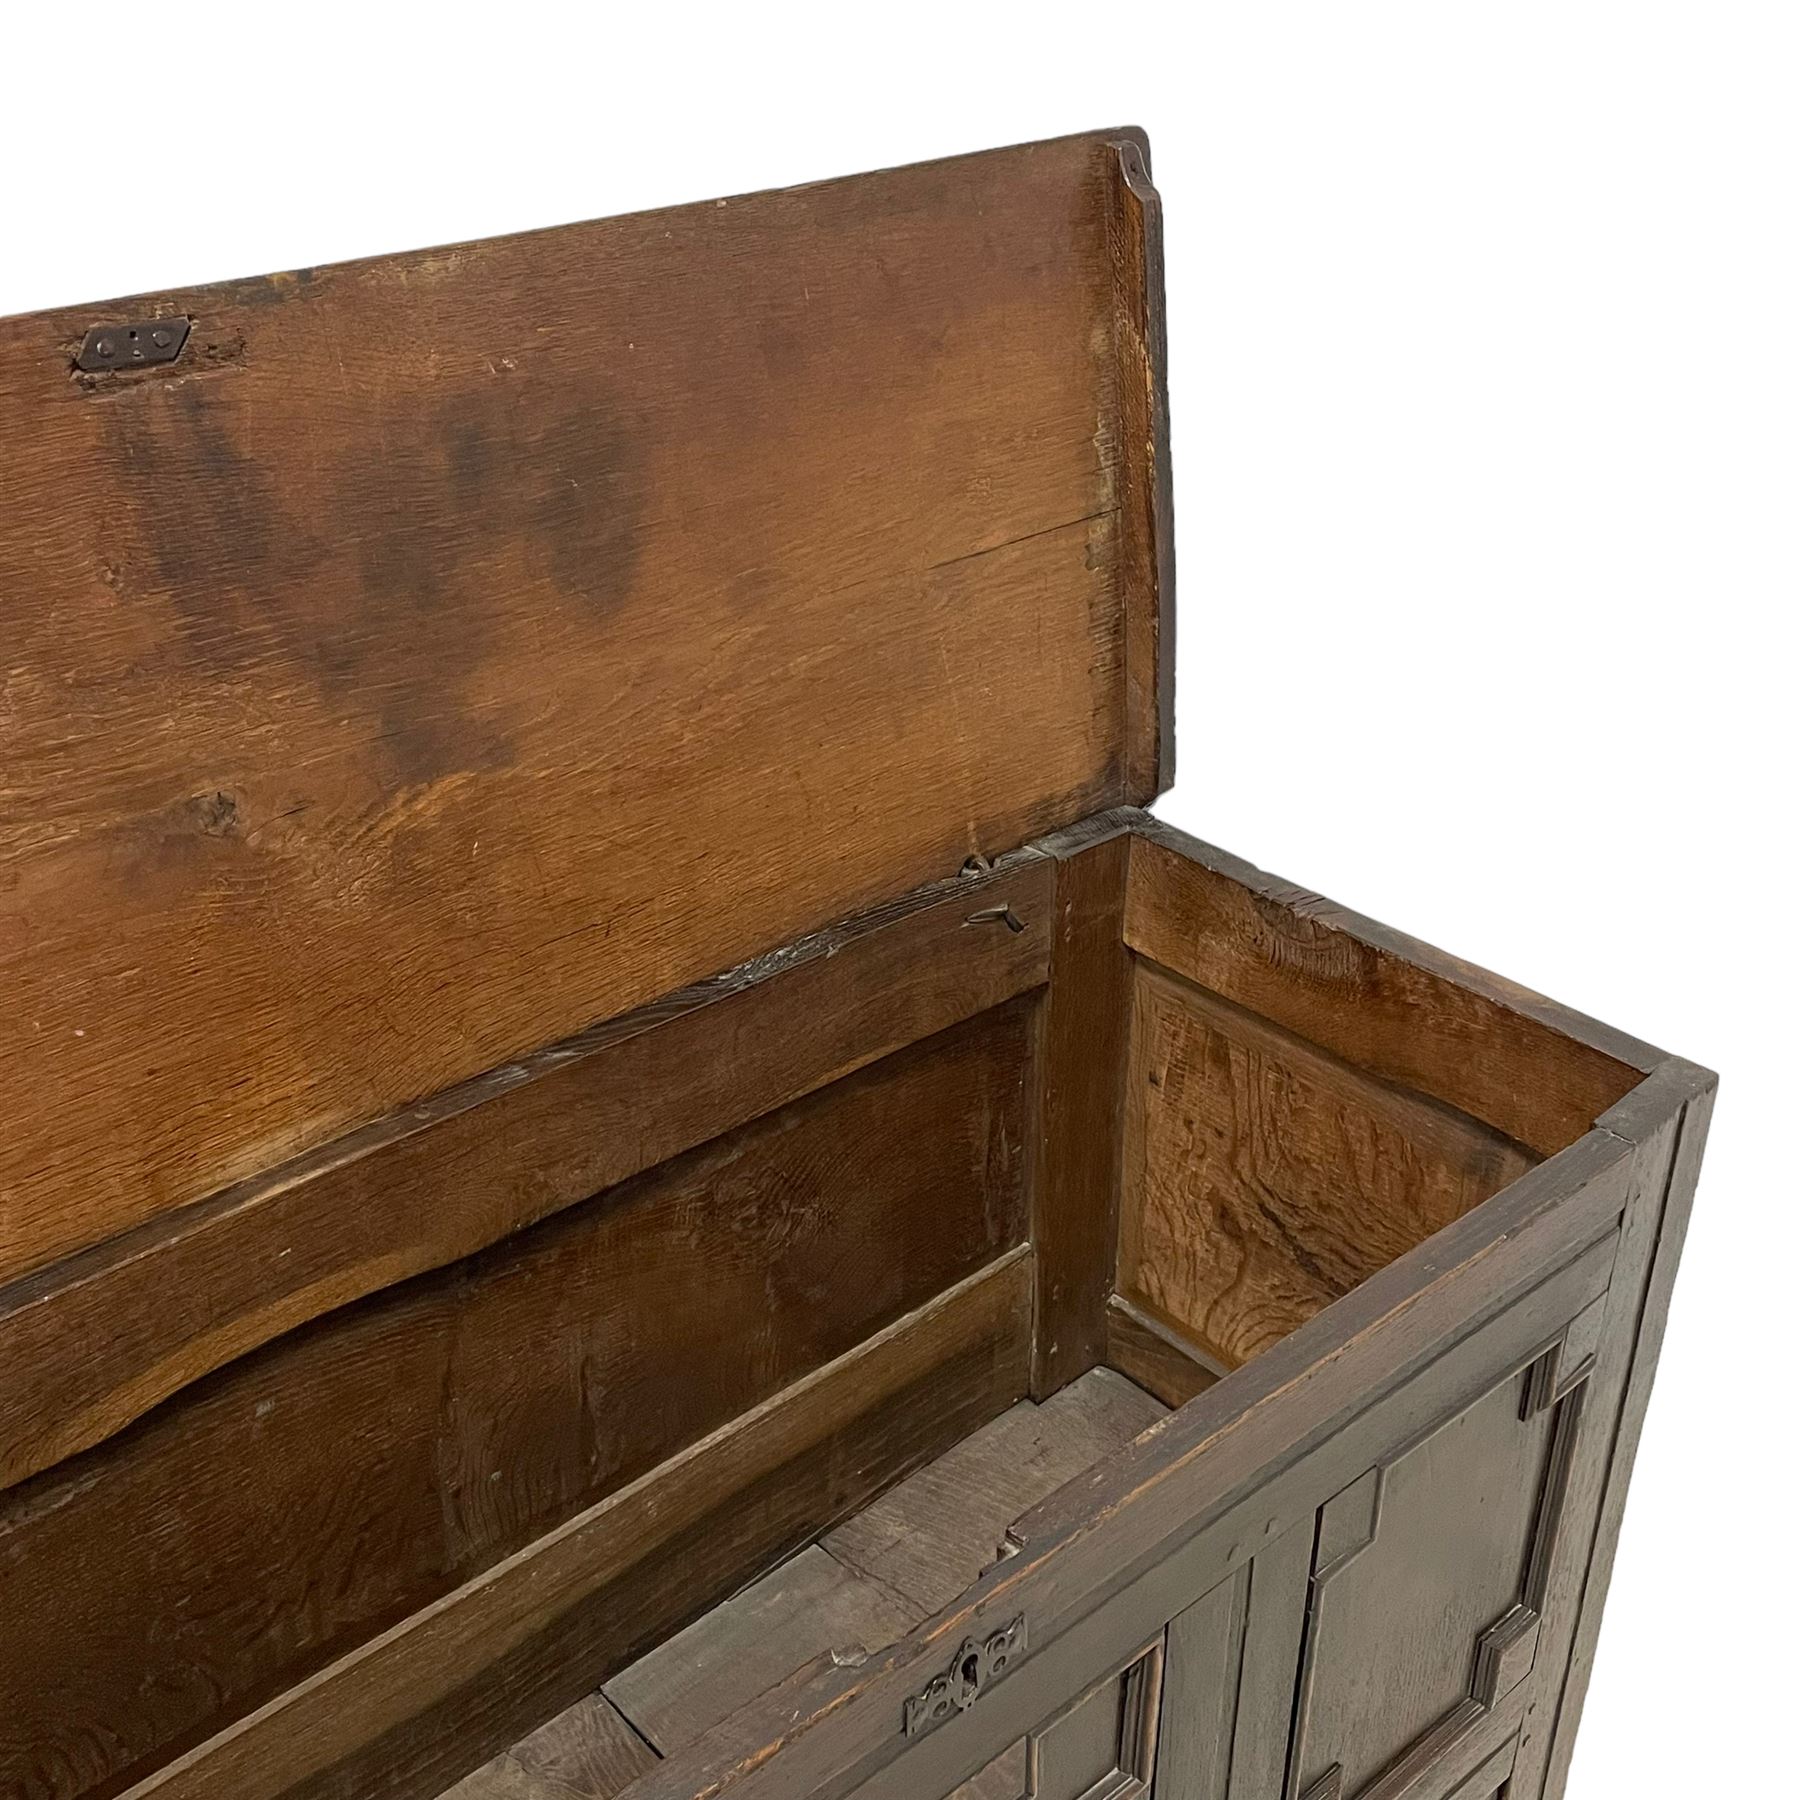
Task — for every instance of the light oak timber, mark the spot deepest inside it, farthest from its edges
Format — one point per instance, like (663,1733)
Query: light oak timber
(90,1345)
(1264,1179)
(514,632)
(1155,1355)
(1537,1072)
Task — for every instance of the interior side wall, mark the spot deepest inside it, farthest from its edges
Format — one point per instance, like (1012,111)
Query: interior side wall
(1264,1178)
(1306,1099)
(314,1493)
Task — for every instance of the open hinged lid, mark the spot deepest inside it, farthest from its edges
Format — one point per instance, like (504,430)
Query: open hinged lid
(447,651)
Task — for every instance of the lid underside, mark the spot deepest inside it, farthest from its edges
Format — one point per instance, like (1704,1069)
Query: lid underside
(447,651)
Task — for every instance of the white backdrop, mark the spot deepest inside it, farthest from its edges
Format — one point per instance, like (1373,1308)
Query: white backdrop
(1486,393)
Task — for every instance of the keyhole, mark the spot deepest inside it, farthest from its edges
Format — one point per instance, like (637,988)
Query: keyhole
(971,1669)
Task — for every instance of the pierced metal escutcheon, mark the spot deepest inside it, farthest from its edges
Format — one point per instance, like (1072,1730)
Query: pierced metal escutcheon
(958,1688)
(140,345)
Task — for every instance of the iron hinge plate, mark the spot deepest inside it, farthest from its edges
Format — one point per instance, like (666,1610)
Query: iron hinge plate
(140,344)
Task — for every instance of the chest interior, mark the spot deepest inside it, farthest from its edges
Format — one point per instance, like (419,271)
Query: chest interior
(1191,1114)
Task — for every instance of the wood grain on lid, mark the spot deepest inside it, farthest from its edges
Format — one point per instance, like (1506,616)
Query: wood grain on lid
(450,650)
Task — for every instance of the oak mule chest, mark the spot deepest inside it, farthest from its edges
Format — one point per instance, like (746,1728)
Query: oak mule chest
(1060,1313)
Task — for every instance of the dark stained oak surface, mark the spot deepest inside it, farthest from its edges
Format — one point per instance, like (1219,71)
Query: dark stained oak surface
(409,1711)
(1344,1165)
(741,1649)
(1160,1359)
(935,1533)
(454,649)
(857,1589)
(1078,1112)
